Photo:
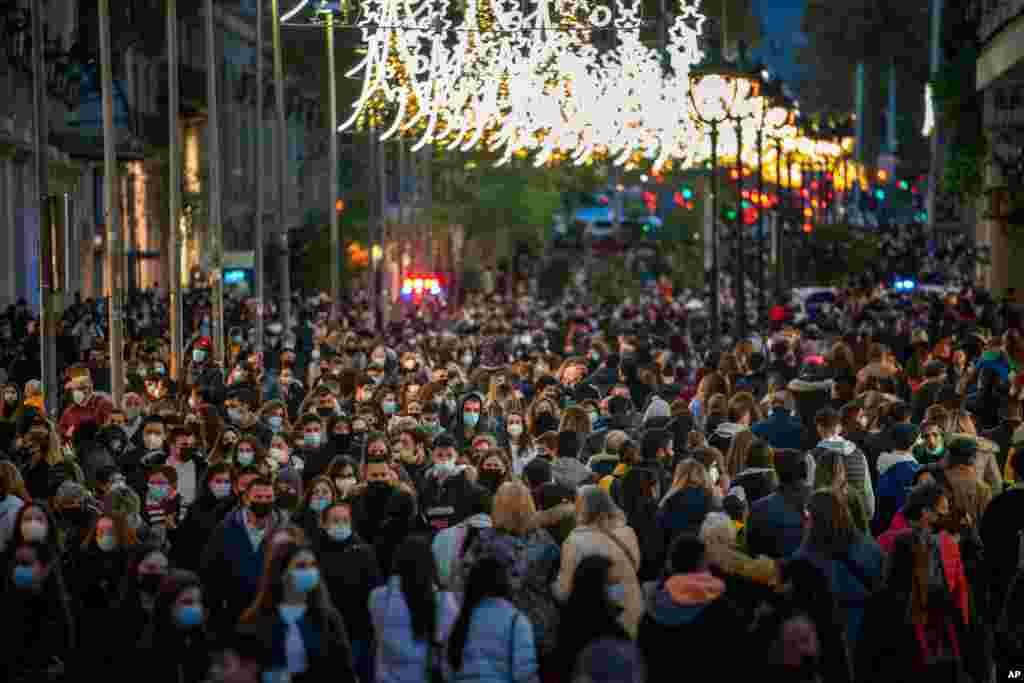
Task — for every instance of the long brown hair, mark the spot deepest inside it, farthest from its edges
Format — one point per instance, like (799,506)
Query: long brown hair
(271,591)
(11,483)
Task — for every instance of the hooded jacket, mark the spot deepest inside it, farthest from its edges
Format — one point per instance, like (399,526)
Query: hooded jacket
(687,618)
(457,427)
(857,473)
(896,472)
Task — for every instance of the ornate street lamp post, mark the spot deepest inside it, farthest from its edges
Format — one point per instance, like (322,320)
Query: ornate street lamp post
(715,86)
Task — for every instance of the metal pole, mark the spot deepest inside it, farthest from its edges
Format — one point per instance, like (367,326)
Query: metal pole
(332,94)
(935,166)
(778,222)
(740,251)
(215,226)
(115,245)
(378,269)
(174,195)
(281,142)
(760,224)
(49,285)
(261,263)
(716,325)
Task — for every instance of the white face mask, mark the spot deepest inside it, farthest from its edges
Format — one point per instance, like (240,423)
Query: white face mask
(280,455)
(153,441)
(33,530)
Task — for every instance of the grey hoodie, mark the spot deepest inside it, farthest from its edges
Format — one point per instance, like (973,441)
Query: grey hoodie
(857,473)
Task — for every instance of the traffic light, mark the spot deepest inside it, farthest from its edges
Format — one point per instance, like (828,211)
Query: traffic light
(880,194)
(687,193)
(729,214)
(808,228)
(903,185)
(339,205)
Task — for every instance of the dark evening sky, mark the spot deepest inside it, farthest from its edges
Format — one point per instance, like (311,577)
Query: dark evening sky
(781,19)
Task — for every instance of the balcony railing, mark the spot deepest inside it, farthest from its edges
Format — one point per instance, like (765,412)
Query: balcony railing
(995,14)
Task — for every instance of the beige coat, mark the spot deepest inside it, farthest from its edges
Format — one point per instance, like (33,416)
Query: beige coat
(586,541)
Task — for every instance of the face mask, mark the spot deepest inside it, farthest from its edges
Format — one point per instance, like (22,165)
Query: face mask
(245,458)
(305,580)
(159,491)
(33,530)
(275,422)
(515,430)
(325,412)
(470,419)
(220,490)
(198,355)
(78,396)
(287,501)
(132,412)
(390,407)
(467,359)
(311,440)
(319,504)
(274,328)
(24,577)
(159,369)
(315,354)
(279,455)
(261,509)
(491,480)
(235,414)
(106,543)
(341,532)
(150,583)
(595,356)
(188,616)
(445,468)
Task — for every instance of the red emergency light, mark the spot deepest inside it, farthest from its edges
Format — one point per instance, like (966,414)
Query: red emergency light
(418,285)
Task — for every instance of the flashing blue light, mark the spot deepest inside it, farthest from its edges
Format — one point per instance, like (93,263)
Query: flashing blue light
(435,290)
(904,285)
(407,290)
(233,277)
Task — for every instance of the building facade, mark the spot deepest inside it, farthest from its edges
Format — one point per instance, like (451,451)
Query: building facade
(75,149)
(1000,79)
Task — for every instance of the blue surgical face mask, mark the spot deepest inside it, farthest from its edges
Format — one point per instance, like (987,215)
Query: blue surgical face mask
(470,419)
(235,414)
(275,422)
(24,577)
(305,580)
(341,532)
(188,616)
(319,504)
(390,407)
(198,355)
(220,490)
(311,440)
(106,542)
(245,458)
(159,491)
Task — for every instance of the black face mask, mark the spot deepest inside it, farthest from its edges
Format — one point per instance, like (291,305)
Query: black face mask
(150,583)
(261,510)
(287,501)
(490,480)
(325,412)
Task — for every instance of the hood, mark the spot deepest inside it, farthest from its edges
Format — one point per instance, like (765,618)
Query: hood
(657,408)
(800,385)
(887,460)
(728,430)
(683,597)
(840,444)
(457,418)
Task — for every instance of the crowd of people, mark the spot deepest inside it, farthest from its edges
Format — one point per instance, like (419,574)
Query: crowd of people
(516,490)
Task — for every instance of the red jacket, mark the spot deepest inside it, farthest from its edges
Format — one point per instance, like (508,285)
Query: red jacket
(97,409)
